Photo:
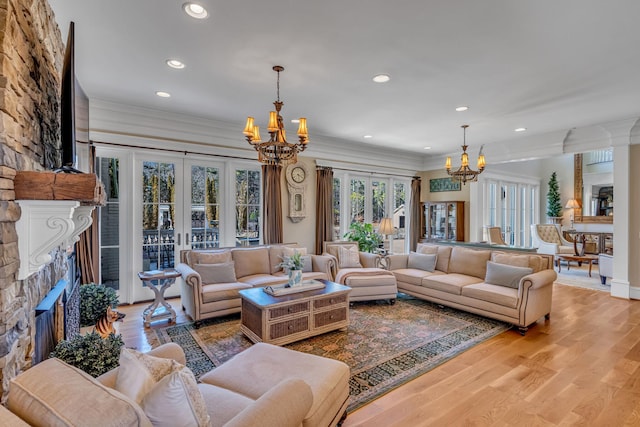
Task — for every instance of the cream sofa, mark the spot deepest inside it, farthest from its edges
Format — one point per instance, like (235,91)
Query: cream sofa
(264,385)
(212,278)
(475,281)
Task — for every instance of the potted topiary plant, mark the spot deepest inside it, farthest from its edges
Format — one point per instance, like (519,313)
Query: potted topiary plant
(293,265)
(554,207)
(90,352)
(363,233)
(94,300)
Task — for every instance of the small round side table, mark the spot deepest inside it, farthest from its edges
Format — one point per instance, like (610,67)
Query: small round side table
(158,281)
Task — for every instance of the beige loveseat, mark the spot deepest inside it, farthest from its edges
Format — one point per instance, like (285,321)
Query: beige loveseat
(212,278)
(264,385)
(515,288)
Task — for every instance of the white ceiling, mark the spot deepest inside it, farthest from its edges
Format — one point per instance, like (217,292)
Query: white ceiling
(546,65)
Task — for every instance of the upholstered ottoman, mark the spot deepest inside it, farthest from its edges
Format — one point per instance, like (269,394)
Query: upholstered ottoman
(258,369)
(368,284)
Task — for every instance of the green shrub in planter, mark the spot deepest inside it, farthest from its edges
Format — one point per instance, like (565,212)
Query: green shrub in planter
(90,352)
(363,233)
(94,300)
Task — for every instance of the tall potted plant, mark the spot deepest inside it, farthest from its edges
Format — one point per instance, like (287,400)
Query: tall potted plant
(554,207)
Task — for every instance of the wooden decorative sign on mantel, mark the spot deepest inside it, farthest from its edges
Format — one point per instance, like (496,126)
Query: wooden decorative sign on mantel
(85,188)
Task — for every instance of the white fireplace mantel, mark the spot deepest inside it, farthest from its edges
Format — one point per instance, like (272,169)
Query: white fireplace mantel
(45,225)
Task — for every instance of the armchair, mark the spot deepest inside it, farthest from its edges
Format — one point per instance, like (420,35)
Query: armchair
(605,267)
(332,249)
(495,236)
(367,279)
(548,240)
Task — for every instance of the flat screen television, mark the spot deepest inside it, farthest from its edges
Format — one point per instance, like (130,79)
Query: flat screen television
(74,108)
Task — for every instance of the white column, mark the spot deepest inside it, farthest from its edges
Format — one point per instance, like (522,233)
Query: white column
(620,283)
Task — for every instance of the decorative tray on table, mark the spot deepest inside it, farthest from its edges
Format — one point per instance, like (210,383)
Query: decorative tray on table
(307,285)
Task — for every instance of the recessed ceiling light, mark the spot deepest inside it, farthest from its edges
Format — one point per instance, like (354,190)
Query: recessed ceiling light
(368,136)
(295,120)
(174,63)
(162,94)
(427,148)
(381,78)
(195,10)
(520,129)
(462,108)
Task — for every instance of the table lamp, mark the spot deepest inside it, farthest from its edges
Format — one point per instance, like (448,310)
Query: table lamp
(386,228)
(572,204)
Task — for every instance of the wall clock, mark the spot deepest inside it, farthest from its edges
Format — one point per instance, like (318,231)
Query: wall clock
(297,176)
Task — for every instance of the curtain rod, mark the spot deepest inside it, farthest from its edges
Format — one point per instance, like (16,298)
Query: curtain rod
(370,173)
(185,152)
(169,150)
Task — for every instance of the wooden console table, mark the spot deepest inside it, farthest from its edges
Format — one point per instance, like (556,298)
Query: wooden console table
(283,319)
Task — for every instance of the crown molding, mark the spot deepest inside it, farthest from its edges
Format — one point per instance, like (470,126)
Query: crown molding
(142,127)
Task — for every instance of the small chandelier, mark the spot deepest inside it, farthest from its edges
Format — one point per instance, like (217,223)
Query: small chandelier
(464,173)
(277,151)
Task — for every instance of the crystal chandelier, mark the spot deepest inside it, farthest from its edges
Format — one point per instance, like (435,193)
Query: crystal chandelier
(277,151)
(464,173)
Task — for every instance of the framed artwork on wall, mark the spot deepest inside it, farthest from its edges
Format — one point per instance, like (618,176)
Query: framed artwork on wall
(438,185)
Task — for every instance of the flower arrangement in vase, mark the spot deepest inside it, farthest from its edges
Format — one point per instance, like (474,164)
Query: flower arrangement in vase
(293,264)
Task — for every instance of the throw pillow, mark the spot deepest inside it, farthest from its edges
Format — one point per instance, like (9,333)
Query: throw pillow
(307,265)
(216,273)
(349,257)
(212,257)
(505,275)
(422,261)
(288,251)
(139,372)
(531,261)
(175,400)
(508,259)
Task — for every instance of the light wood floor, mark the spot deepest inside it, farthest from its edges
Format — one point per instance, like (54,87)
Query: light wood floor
(580,368)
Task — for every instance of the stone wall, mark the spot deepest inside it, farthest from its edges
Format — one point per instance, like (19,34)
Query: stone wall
(31,52)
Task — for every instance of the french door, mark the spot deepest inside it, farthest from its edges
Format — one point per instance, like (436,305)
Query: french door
(158,217)
(156,206)
(180,208)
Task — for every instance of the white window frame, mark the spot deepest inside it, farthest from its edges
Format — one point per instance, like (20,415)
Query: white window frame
(345,178)
(479,197)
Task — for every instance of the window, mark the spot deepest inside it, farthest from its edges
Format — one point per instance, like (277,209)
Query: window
(336,209)
(205,207)
(158,215)
(369,199)
(108,168)
(511,205)
(356,199)
(248,221)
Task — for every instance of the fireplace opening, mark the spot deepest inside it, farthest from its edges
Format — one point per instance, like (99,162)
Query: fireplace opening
(57,317)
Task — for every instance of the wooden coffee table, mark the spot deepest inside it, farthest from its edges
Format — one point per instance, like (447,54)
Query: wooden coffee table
(578,258)
(283,319)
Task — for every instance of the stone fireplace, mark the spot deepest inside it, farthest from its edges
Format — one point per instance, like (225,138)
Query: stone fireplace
(32,50)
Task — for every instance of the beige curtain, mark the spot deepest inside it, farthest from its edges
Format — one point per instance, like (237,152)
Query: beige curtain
(87,247)
(324,206)
(414,227)
(272,202)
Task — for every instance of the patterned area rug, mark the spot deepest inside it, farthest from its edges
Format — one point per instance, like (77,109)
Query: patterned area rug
(385,346)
